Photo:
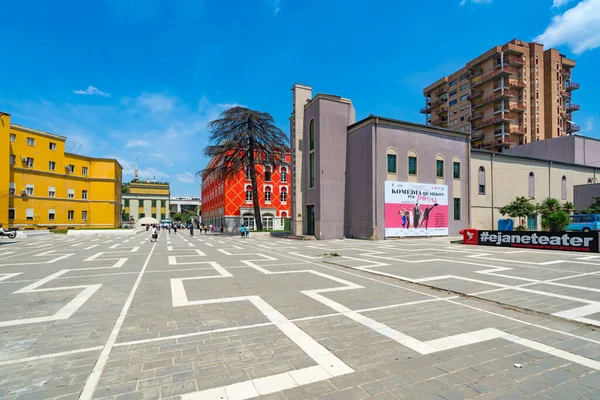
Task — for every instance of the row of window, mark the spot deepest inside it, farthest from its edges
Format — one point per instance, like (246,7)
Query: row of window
(282,195)
(392,164)
(29,161)
(31,141)
(530,184)
(141,202)
(143,215)
(268,174)
(29,191)
(51,214)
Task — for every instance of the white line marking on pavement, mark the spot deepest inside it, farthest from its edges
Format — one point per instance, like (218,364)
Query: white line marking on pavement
(52,355)
(208,244)
(91,247)
(92,381)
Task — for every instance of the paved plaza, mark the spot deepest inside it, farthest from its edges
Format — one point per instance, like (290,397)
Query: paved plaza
(220,317)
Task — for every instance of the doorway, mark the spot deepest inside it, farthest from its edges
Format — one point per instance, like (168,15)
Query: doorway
(310,213)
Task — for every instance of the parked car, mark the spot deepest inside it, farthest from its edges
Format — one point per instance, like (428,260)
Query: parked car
(584,223)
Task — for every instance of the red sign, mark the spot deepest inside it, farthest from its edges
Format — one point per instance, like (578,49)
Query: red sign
(470,236)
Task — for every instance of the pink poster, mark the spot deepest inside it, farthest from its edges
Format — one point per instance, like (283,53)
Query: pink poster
(415,209)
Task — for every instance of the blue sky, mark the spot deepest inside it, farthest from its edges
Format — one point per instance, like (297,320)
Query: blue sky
(141,78)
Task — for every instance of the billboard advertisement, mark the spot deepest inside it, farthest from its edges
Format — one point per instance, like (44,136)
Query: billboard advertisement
(415,209)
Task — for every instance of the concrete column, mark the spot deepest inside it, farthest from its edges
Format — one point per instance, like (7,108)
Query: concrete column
(134,205)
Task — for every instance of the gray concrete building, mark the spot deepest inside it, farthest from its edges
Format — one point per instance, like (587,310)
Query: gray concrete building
(574,149)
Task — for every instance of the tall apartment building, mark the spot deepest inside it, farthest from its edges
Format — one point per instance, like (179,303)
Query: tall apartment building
(43,186)
(510,95)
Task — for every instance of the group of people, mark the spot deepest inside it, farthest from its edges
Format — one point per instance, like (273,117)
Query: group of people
(244,231)
(420,217)
(156,228)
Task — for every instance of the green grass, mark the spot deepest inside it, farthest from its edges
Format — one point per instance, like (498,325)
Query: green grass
(63,231)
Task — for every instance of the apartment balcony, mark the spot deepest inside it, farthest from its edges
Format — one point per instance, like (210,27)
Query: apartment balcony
(493,121)
(441,110)
(426,109)
(439,121)
(517,61)
(435,103)
(566,72)
(476,72)
(500,65)
(565,94)
(475,116)
(474,94)
(514,131)
(498,72)
(573,107)
(489,99)
(506,142)
(573,128)
(517,84)
(572,86)
(477,136)
(441,91)
(519,107)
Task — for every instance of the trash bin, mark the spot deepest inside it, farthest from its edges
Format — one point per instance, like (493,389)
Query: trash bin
(470,236)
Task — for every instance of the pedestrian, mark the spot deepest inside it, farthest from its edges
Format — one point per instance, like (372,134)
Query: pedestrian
(175,228)
(191,229)
(205,229)
(169,229)
(212,228)
(247,231)
(242,228)
(221,228)
(154,234)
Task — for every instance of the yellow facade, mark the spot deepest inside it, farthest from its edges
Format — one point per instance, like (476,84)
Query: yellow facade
(146,199)
(51,188)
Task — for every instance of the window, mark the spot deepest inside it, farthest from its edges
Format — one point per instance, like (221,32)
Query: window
(453,102)
(153,203)
(29,162)
(563,188)
(248,220)
(452,93)
(126,202)
(84,194)
(84,215)
(464,97)
(84,171)
(267,222)
(51,215)
(11,213)
(464,76)
(51,165)
(154,215)
(439,166)
(268,195)
(29,190)
(29,214)
(12,159)
(30,141)
(481,180)
(12,188)
(51,191)
(465,86)
(268,173)
(311,135)
(531,185)
(71,194)
(311,162)
(71,168)
(13,137)
(452,83)
(283,196)
(248,174)
(456,169)
(392,156)
(71,215)
(52,146)
(142,215)
(283,174)
(457,209)
(248,194)
(412,164)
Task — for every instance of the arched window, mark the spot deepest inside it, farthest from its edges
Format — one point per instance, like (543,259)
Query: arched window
(531,185)
(283,196)
(268,171)
(392,161)
(481,180)
(283,214)
(248,194)
(563,188)
(268,195)
(456,167)
(311,135)
(412,162)
(283,174)
(439,166)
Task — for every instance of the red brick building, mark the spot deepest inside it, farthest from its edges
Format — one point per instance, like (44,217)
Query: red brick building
(231,204)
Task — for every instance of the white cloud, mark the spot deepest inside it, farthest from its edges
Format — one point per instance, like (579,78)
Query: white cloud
(464,2)
(156,102)
(578,28)
(589,125)
(186,177)
(92,91)
(275,4)
(560,3)
(137,143)
(231,105)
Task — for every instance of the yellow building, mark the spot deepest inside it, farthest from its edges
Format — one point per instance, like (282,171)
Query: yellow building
(42,186)
(146,199)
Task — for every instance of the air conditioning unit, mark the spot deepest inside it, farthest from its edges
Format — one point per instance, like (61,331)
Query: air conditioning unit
(24,159)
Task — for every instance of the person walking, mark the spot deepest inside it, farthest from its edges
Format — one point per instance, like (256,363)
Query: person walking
(169,227)
(175,229)
(205,229)
(247,231)
(221,227)
(242,229)
(192,230)
(154,236)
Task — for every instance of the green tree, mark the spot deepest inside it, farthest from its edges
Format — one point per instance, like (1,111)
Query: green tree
(555,216)
(594,207)
(520,208)
(240,139)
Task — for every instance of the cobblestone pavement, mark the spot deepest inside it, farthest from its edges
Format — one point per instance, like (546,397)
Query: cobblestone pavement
(219,317)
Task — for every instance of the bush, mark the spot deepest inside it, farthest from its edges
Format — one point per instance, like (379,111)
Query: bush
(521,228)
(556,221)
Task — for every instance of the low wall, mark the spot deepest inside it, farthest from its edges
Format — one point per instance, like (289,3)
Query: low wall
(87,232)
(586,242)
